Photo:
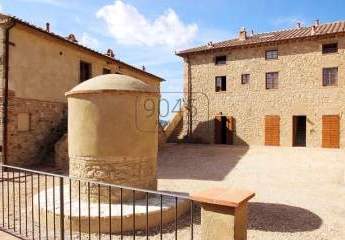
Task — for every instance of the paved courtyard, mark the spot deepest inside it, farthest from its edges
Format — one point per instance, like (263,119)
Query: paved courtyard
(300,192)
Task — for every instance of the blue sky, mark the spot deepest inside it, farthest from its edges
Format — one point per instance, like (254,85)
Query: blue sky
(147,32)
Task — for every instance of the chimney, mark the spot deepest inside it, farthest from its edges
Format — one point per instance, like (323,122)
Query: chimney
(143,68)
(313,30)
(48,27)
(110,53)
(243,34)
(72,38)
(299,25)
(317,22)
(252,32)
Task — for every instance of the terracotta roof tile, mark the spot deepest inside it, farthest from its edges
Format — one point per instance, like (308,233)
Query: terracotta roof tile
(287,34)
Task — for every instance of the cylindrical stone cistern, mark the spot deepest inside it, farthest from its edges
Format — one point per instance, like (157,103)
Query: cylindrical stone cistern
(112,137)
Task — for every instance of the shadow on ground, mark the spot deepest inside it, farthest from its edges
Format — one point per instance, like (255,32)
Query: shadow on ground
(272,217)
(192,161)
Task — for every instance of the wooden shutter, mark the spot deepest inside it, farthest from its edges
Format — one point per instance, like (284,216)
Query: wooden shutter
(330,131)
(230,127)
(272,130)
(218,129)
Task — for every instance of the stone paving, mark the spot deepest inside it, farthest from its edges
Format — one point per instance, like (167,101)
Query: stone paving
(300,192)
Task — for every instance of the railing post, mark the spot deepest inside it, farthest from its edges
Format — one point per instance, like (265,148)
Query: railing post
(62,210)
(223,213)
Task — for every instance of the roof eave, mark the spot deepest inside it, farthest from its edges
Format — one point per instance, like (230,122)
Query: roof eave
(187,52)
(16,20)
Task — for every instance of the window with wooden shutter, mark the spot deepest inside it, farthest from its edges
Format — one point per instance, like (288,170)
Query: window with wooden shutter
(272,130)
(330,131)
(85,71)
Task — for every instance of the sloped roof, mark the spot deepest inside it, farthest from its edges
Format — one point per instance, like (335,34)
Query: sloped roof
(271,37)
(6,18)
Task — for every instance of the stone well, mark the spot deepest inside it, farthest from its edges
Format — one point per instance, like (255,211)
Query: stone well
(112,132)
(112,138)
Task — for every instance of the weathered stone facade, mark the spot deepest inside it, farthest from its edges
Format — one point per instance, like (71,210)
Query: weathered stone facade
(300,92)
(47,123)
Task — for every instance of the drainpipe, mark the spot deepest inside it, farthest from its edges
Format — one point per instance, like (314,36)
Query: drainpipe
(5,92)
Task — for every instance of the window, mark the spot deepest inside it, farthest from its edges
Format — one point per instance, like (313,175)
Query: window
(220,83)
(220,60)
(245,78)
(329,48)
(272,80)
(85,71)
(106,71)
(330,76)
(271,54)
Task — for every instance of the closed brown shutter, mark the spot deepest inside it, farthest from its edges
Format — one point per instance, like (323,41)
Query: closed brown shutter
(330,131)
(218,129)
(230,125)
(272,130)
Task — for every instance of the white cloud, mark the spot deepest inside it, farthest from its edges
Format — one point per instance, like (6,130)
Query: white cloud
(288,21)
(128,26)
(89,41)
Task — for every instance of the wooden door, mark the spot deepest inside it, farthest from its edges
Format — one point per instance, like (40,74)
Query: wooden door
(330,131)
(230,128)
(218,130)
(272,130)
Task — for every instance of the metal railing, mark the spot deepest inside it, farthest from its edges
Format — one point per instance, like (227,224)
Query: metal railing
(41,205)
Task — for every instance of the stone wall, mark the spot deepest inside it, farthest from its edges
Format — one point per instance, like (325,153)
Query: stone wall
(300,91)
(32,128)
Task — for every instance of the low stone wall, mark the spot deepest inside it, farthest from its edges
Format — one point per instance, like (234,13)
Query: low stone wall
(33,126)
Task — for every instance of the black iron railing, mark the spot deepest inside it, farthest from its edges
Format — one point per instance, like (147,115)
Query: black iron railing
(41,205)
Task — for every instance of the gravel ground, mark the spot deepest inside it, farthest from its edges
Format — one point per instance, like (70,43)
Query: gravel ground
(300,192)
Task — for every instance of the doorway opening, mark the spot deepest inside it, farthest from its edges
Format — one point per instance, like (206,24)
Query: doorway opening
(299,131)
(224,127)
(224,130)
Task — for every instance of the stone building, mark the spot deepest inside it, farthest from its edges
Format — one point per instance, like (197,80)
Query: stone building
(284,88)
(37,67)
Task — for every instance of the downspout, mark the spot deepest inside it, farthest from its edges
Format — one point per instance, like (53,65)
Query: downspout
(5,92)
